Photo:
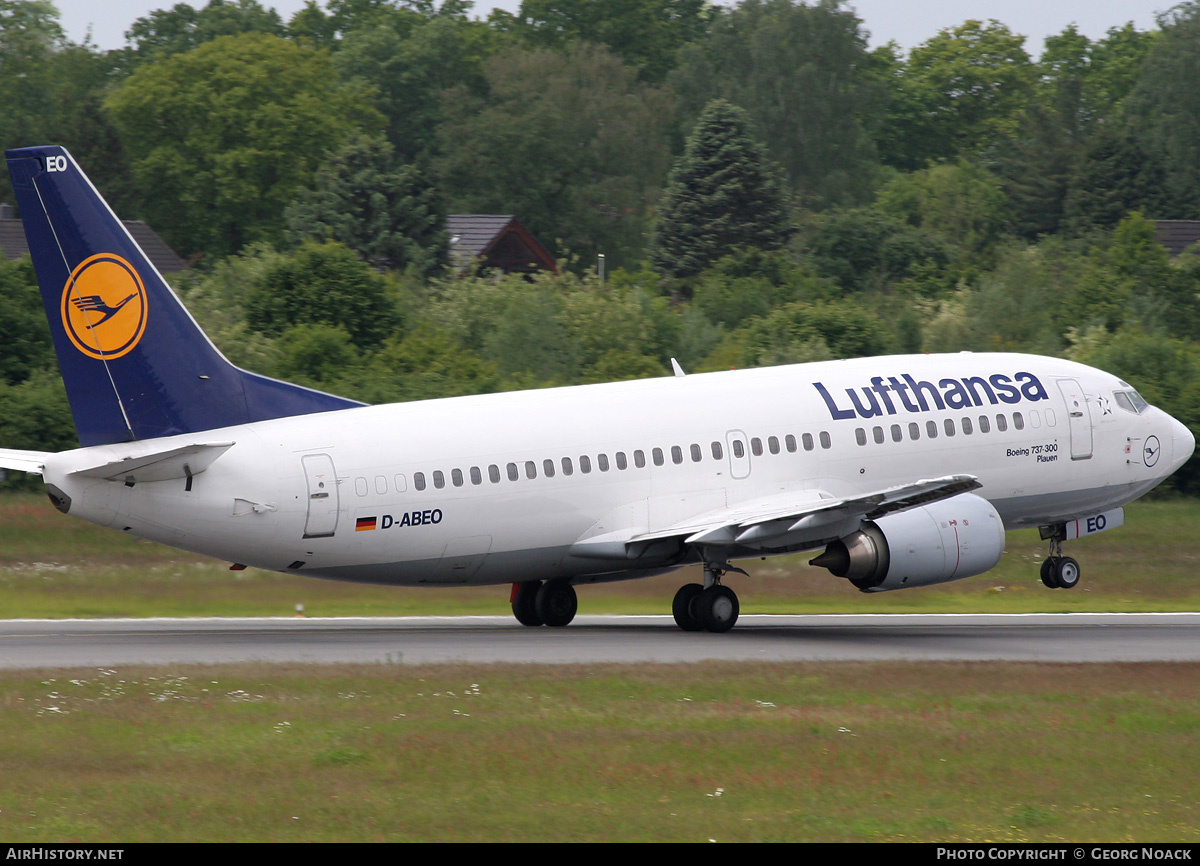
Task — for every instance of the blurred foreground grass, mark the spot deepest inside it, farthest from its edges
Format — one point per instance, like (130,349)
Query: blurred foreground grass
(694,753)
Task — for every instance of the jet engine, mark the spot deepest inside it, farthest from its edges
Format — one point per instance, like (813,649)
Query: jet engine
(937,543)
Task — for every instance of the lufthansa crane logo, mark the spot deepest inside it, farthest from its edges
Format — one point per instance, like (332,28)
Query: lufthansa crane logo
(104,307)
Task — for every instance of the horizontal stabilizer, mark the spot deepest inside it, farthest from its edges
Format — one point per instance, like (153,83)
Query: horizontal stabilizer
(791,519)
(23,461)
(160,465)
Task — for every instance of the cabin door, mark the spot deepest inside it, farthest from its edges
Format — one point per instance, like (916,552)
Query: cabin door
(323,503)
(1079,418)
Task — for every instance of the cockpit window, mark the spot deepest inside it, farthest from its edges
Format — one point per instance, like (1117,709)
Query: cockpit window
(1130,401)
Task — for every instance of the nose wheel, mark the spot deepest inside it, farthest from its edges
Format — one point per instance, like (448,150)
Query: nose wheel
(1058,571)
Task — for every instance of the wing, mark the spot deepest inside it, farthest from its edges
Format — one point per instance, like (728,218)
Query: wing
(797,521)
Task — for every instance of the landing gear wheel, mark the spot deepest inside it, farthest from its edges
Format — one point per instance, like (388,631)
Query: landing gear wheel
(718,608)
(524,606)
(1066,572)
(1048,572)
(556,602)
(683,604)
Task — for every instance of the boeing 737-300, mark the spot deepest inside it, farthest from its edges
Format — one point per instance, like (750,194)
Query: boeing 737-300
(899,471)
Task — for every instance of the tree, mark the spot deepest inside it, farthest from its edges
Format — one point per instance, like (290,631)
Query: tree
(386,212)
(804,75)
(183,27)
(323,284)
(959,91)
(722,194)
(646,34)
(226,134)
(569,141)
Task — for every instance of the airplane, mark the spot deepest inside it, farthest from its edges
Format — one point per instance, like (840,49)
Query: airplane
(900,471)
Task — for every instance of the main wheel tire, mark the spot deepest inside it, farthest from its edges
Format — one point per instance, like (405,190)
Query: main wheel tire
(1048,566)
(718,608)
(556,602)
(682,606)
(524,606)
(1066,572)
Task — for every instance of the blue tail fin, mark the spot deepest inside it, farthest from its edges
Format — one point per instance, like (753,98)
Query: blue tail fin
(135,363)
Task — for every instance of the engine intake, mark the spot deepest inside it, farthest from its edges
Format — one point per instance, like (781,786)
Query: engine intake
(937,543)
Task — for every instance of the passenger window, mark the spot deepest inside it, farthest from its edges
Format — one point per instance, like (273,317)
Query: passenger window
(401,484)
(756,447)
(1050,419)
(657,454)
(419,480)
(717,450)
(696,455)
(860,435)
(966,426)
(380,485)
(512,472)
(457,477)
(567,467)
(931,429)
(494,473)
(1018,421)
(1035,419)
(739,450)
(676,454)
(773,444)
(826,442)
(439,480)
(602,462)
(877,433)
(897,433)
(1001,423)
(530,469)
(949,425)
(621,462)
(476,475)
(548,467)
(360,486)
(914,431)
(808,441)
(789,442)
(985,426)
(585,464)
(639,459)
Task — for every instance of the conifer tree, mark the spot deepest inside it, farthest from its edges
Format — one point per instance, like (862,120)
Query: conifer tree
(723,193)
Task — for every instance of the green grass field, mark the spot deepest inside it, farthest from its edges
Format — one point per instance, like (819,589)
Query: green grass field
(687,753)
(54,566)
(724,752)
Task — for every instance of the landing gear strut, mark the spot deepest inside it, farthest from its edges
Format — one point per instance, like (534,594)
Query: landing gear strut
(552,603)
(711,607)
(1058,571)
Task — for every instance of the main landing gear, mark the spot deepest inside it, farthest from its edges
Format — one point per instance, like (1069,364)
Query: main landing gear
(1058,571)
(711,607)
(552,603)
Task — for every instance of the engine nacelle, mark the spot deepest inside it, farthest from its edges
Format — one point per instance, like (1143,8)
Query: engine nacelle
(937,543)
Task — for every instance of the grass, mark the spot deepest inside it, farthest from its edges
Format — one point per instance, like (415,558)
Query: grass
(691,753)
(54,566)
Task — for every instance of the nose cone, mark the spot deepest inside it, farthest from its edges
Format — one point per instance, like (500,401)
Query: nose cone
(1183,443)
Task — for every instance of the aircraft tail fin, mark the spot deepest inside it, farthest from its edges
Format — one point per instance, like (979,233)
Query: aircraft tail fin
(135,363)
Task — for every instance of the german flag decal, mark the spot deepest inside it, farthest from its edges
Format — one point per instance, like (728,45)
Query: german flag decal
(364,523)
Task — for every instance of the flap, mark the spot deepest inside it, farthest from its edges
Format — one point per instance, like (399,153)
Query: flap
(806,513)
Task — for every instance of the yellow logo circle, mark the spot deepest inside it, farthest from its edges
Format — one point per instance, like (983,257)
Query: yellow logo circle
(104,307)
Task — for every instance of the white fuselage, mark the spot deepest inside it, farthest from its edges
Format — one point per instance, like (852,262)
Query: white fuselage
(423,493)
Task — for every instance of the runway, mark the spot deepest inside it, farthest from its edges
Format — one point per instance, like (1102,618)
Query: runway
(595,639)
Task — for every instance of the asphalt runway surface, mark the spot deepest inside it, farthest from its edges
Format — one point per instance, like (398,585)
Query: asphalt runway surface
(620,639)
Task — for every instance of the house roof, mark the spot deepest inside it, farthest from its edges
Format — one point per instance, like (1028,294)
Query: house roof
(1177,235)
(14,245)
(498,241)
